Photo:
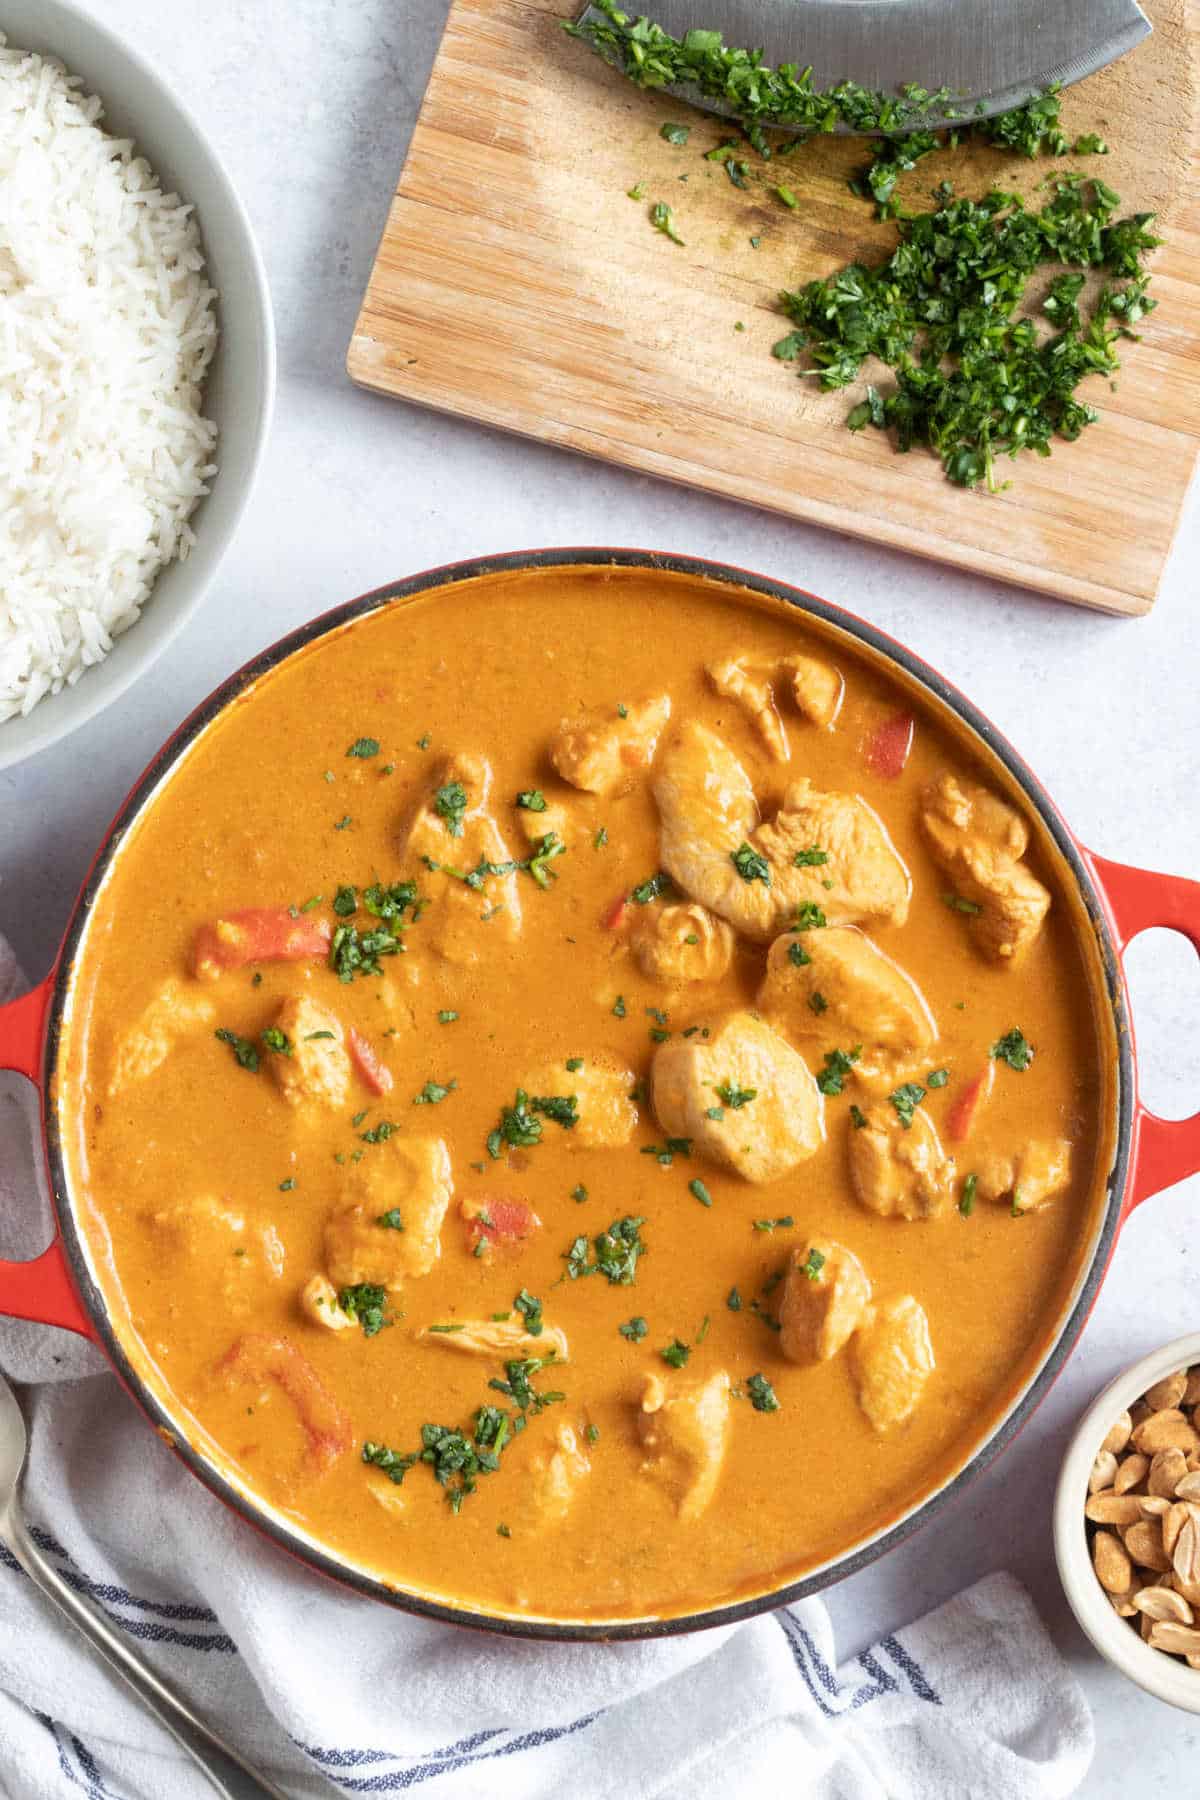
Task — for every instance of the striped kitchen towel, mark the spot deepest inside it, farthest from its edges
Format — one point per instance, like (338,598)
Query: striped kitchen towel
(332,1693)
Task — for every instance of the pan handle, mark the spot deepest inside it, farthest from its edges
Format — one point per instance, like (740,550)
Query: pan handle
(1164,1151)
(40,1289)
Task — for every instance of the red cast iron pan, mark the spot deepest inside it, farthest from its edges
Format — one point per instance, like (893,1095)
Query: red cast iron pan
(56,1288)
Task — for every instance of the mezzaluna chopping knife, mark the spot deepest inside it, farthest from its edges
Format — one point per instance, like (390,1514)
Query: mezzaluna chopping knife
(990,54)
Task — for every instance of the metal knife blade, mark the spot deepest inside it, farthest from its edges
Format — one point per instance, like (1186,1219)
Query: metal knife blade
(991,54)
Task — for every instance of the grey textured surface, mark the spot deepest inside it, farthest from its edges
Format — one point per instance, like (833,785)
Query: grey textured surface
(311,102)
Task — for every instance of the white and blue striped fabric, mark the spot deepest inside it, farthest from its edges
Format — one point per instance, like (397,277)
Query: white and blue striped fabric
(334,1694)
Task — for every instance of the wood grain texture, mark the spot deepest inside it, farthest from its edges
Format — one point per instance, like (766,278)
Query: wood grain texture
(517,284)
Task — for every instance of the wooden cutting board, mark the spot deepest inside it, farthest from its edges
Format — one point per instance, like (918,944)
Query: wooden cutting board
(516,283)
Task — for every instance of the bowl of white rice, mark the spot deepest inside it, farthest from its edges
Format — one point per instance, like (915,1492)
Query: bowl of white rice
(137,369)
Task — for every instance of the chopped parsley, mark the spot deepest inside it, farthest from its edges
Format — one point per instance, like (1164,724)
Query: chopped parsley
(698,1190)
(966,1204)
(363,747)
(634,1330)
(811,858)
(838,1064)
(809,917)
(676,1353)
(530,1309)
(652,889)
(750,865)
(532,800)
(244,1051)
(1014,1049)
(613,1253)
(731,1095)
(365,1303)
(763,1397)
(450,803)
(906,1098)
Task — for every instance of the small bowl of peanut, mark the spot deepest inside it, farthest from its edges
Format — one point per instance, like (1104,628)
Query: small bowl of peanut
(1127,1523)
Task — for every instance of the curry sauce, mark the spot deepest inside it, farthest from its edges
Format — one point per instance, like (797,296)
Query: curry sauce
(515,1196)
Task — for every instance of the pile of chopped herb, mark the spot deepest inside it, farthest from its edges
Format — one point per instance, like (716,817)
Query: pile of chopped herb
(975,379)
(613,1254)
(356,952)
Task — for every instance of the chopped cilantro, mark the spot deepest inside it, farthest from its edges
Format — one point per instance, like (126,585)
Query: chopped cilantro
(391,1220)
(277,1040)
(634,1329)
(714,1112)
(363,747)
(662,219)
(813,1265)
(675,134)
(592,1434)
(365,1302)
(676,1353)
(446,1017)
(763,1397)
(906,1098)
(600,839)
(666,1153)
(434,1092)
(966,1204)
(563,1109)
(809,917)
(613,1253)
(243,1050)
(780,1224)
(530,1309)
(698,1190)
(733,1300)
(285,1187)
(390,1462)
(957,903)
(618,1010)
(343,823)
(838,1064)
(1014,1049)
(798,955)
(750,865)
(652,889)
(733,1096)
(532,800)
(858,1117)
(818,1002)
(378,1134)
(937,1078)
(579,1193)
(517,1127)
(573,1064)
(345,901)
(450,803)
(811,858)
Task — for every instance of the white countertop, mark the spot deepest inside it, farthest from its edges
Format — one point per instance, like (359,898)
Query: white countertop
(311,102)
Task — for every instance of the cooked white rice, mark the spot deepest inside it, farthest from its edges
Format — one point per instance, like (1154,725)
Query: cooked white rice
(106,330)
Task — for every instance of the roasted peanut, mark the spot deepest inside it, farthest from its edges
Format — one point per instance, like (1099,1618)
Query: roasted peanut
(1114,1570)
(1130,1472)
(1168,1392)
(1167,1470)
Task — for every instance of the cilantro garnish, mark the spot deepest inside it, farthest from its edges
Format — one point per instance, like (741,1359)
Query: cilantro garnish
(811,858)
(652,889)
(613,1253)
(532,800)
(699,1192)
(391,1220)
(798,955)
(957,903)
(966,1204)
(675,134)
(750,865)
(434,1092)
(530,1309)
(450,803)
(813,1265)
(663,219)
(1014,1049)
(676,1353)
(243,1050)
(763,1397)
(366,1303)
(734,1096)
(634,1329)
(363,747)
(277,1040)
(906,1098)
(838,1064)
(809,917)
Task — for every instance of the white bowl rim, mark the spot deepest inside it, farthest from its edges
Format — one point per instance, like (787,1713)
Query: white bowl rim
(118,681)
(1163,1676)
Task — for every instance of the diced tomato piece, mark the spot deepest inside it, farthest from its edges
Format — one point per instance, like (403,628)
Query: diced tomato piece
(258,1357)
(614,918)
(376,1075)
(493,1220)
(887,751)
(260,934)
(961,1116)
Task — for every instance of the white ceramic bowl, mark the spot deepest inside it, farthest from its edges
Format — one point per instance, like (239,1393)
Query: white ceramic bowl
(1166,1677)
(241,384)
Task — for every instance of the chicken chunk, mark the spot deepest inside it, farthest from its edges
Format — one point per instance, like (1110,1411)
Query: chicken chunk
(893,1360)
(223,1255)
(178,1007)
(453,828)
(1028,1179)
(979,840)
(682,943)
(770,1114)
(410,1177)
(555,1475)
(606,1116)
(316,1068)
(604,750)
(826,1296)
(319,1304)
(503,1339)
(685,1434)
(709,817)
(837,987)
(754,694)
(817,689)
(898,1171)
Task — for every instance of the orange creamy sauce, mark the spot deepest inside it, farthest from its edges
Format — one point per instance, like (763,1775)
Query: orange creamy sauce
(249,819)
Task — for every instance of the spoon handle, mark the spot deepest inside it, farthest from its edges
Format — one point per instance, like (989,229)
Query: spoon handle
(230,1777)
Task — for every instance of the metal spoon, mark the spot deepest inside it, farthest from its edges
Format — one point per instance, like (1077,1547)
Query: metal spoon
(230,1777)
